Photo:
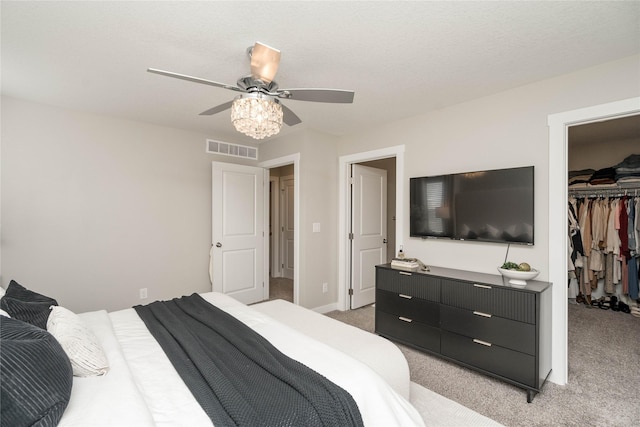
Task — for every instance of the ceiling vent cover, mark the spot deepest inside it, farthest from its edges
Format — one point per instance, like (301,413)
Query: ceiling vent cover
(229,149)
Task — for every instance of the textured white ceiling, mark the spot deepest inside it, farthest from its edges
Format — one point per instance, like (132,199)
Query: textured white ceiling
(400,58)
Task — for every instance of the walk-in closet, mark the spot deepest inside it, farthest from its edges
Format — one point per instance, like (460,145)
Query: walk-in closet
(603,214)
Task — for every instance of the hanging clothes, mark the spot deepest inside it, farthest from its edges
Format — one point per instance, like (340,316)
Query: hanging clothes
(632,260)
(603,243)
(574,232)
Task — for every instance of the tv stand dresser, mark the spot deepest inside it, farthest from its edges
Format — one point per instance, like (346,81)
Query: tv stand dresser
(476,320)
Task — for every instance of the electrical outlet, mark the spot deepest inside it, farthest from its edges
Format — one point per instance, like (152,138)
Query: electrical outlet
(143,293)
(325,288)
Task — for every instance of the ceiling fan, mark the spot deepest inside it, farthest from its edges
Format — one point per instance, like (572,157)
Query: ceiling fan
(257,110)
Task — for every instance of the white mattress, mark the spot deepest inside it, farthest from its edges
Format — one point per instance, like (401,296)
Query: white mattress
(381,355)
(112,399)
(142,388)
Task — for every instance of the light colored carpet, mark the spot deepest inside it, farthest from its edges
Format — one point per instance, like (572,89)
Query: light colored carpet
(604,375)
(280,288)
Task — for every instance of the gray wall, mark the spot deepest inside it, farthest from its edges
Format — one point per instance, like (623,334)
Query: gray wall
(318,199)
(507,129)
(95,208)
(602,154)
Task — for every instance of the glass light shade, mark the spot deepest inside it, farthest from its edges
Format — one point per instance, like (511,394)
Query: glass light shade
(256,116)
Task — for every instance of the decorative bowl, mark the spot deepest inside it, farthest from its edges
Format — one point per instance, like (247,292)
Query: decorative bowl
(518,278)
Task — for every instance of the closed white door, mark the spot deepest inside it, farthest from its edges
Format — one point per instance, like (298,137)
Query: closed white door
(286,224)
(369,229)
(238,232)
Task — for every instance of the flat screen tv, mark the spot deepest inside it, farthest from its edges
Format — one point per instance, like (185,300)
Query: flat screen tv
(490,206)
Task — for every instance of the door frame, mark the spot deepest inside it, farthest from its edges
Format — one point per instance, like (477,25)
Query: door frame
(344,210)
(274,218)
(274,163)
(283,246)
(558,196)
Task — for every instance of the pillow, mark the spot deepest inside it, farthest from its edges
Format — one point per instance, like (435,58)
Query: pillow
(35,376)
(1,291)
(26,305)
(79,343)
(4,313)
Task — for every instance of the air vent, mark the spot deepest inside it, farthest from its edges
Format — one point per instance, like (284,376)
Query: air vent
(228,149)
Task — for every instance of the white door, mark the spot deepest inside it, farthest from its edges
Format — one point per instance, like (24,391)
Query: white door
(286,224)
(238,231)
(369,228)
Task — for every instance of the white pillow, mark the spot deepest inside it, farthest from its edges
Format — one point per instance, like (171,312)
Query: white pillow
(4,313)
(78,341)
(1,291)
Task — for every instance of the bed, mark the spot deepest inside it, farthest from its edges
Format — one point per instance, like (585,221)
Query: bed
(142,388)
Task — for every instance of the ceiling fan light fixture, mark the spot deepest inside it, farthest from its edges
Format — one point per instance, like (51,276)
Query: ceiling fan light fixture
(264,61)
(256,115)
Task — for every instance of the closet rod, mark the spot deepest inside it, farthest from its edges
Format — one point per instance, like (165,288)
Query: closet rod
(605,192)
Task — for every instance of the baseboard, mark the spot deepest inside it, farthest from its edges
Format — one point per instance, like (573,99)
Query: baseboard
(326,308)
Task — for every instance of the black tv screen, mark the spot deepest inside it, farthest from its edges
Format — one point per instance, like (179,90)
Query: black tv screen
(490,206)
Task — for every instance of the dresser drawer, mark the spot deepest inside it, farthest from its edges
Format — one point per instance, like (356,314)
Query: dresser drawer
(408,283)
(416,309)
(506,333)
(507,303)
(413,333)
(516,366)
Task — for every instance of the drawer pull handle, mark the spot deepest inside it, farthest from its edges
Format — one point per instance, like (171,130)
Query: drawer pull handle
(481,286)
(404,273)
(405,296)
(479,313)
(488,344)
(404,319)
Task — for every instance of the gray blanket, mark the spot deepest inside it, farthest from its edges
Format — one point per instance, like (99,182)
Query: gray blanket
(237,376)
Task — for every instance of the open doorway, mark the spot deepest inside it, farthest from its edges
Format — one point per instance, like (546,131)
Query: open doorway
(281,232)
(292,163)
(595,151)
(345,265)
(558,227)
(371,225)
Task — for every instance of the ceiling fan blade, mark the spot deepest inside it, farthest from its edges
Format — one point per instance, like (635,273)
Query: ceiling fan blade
(218,109)
(264,62)
(336,96)
(194,79)
(289,117)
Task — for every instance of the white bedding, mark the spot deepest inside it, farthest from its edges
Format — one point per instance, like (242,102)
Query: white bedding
(142,387)
(380,354)
(109,400)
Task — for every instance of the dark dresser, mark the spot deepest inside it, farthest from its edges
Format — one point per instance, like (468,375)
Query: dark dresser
(477,320)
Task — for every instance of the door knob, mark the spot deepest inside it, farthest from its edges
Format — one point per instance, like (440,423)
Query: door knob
(384,240)
(218,245)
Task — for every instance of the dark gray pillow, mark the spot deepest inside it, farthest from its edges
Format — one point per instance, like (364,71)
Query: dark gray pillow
(26,305)
(35,376)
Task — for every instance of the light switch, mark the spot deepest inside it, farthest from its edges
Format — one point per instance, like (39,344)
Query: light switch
(316,227)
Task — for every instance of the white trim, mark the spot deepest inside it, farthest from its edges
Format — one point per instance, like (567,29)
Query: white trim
(275,222)
(326,308)
(283,161)
(558,149)
(265,237)
(281,255)
(343,209)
